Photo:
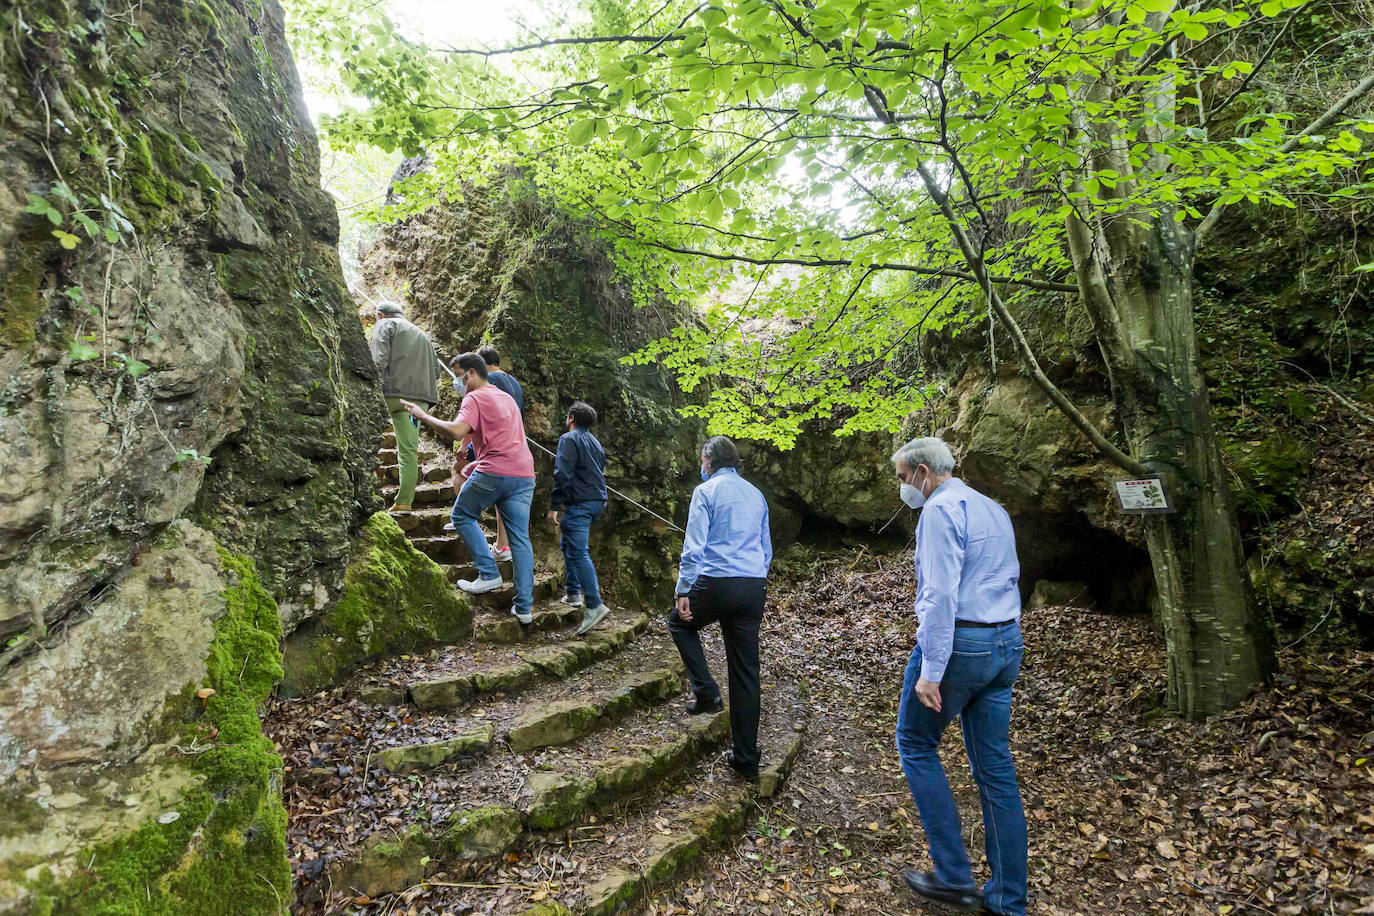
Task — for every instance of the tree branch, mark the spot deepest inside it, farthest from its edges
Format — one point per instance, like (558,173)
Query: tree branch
(552,42)
(1328,118)
(1046,285)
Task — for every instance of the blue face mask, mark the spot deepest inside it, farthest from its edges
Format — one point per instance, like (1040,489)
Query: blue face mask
(704,475)
(459,386)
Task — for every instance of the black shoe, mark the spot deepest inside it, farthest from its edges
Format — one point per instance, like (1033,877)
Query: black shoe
(928,886)
(701,705)
(750,773)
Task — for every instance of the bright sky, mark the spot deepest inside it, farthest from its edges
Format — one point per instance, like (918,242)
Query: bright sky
(455,23)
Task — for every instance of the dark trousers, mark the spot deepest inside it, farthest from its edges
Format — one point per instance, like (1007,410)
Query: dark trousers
(737,604)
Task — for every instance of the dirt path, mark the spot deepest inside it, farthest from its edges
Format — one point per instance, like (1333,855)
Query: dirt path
(1269,809)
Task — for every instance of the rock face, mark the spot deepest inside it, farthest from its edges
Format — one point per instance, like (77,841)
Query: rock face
(186,405)
(502,268)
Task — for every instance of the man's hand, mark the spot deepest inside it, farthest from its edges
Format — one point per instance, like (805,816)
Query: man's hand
(414,409)
(928,692)
(684,608)
(552,517)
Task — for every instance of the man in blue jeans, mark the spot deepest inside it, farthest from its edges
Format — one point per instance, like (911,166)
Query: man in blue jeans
(502,476)
(967,655)
(579,490)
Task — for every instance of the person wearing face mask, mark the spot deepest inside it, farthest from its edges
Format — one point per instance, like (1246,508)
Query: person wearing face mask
(408,367)
(721,578)
(503,476)
(967,656)
(579,491)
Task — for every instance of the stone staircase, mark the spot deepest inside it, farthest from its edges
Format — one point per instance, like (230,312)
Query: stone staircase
(526,771)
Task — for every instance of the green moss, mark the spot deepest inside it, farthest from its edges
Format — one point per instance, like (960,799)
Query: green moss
(21,303)
(227,850)
(189,141)
(1271,472)
(164,149)
(395,600)
(140,171)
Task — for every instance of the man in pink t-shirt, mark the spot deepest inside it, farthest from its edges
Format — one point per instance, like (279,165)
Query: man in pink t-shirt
(503,476)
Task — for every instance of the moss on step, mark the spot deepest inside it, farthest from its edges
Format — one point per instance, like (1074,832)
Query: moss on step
(481,833)
(386,863)
(613,892)
(408,758)
(229,840)
(395,600)
(555,799)
(555,723)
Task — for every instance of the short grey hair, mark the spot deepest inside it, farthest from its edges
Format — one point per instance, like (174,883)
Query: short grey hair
(387,307)
(721,451)
(928,450)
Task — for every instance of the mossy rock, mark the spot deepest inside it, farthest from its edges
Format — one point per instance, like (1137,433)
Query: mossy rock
(554,723)
(619,776)
(443,694)
(395,600)
(229,839)
(481,833)
(612,893)
(671,854)
(410,757)
(505,677)
(386,863)
(555,661)
(555,799)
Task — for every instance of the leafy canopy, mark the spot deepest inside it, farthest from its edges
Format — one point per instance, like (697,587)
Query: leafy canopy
(807,168)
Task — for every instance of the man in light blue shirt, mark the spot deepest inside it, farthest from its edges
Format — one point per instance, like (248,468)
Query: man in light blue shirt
(967,656)
(722,577)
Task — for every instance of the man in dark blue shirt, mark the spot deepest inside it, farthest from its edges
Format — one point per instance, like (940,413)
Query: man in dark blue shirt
(501,379)
(579,490)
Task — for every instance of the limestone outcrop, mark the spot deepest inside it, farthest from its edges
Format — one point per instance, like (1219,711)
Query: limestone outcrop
(188,422)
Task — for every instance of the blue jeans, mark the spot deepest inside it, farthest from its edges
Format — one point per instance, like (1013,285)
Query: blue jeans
(511,497)
(576,525)
(976,687)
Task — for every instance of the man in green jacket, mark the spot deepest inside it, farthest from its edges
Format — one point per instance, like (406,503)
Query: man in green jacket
(408,367)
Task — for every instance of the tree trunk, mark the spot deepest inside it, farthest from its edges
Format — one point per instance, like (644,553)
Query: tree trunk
(1141,306)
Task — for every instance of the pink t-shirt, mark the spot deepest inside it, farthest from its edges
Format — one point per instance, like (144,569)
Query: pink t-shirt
(498,432)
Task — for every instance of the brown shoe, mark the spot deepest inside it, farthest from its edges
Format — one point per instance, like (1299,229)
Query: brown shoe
(400,507)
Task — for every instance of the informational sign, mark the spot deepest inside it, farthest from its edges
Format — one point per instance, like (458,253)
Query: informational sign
(1143,496)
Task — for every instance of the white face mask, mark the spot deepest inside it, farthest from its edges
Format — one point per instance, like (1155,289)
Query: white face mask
(912,496)
(459,385)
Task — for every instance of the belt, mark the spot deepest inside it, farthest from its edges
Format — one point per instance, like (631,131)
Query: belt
(981,625)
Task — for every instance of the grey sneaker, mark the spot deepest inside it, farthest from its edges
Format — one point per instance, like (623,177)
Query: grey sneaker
(592,616)
(480,586)
(525,617)
(571,600)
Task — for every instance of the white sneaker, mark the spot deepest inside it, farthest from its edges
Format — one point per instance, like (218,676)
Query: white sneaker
(448,526)
(592,616)
(481,586)
(526,618)
(501,555)
(574,601)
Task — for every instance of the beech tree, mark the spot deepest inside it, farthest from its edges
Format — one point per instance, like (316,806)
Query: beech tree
(911,165)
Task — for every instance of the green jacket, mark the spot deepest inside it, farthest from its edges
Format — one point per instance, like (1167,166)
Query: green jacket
(406,361)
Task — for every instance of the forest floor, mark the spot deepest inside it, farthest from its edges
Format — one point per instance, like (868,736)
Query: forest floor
(1268,809)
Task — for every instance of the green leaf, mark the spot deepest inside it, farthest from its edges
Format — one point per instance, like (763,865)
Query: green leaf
(67,240)
(80,352)
(582,131)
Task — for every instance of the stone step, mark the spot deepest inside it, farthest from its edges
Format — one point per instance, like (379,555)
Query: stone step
(389,439)
(543,724)
(527,665)
(693,805)
(547,584)
(429,521)
(429,494)
(391,860)
(436,473)
(389,457)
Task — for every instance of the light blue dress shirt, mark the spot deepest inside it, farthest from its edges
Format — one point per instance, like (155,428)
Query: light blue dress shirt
(727,531)
(966,569)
